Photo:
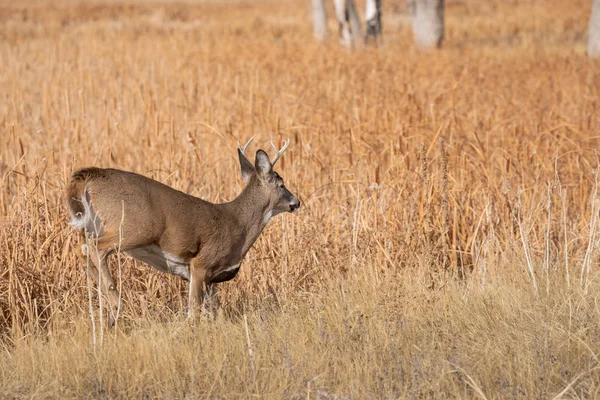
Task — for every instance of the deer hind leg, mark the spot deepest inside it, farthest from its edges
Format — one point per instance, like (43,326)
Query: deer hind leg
(99,272)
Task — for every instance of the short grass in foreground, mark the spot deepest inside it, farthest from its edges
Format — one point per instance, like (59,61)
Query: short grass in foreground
(356,338)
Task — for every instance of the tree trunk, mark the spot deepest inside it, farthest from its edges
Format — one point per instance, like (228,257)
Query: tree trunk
(594,30)
(373,21)
(349,22)
(354,22)
(428,22)
(319,19)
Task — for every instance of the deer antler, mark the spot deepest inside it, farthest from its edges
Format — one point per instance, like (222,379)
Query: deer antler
(244,147)
(279,152)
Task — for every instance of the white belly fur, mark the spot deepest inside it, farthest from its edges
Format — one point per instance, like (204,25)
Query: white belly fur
(164,262)
(232,267)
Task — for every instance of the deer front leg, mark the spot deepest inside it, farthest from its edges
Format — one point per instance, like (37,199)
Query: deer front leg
(98,271)
(202,296)
(211,300)
(196,286)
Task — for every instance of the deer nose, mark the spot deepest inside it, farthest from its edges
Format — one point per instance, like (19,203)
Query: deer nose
(295,206)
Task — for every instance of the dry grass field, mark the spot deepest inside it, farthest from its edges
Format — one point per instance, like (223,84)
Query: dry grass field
(448,245)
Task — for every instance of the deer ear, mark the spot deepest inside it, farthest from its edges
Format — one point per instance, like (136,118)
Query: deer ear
(245,166)
(262,163)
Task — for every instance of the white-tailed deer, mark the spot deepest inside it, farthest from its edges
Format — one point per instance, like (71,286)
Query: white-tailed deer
(202,242)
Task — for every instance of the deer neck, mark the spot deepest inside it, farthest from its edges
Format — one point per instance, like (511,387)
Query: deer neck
(250,209)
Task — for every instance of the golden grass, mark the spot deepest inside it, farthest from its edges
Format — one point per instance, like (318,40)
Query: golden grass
(395,280)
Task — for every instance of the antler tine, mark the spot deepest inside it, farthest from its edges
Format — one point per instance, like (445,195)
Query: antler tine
(243,148)
(279,152)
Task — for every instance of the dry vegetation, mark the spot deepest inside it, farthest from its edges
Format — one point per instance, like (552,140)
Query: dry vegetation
(420,268)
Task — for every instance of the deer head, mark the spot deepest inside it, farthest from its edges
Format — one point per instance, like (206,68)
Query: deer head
(266,181)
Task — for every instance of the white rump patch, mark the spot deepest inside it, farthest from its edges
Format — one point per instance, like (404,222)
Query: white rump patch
(89,221)
(162,261)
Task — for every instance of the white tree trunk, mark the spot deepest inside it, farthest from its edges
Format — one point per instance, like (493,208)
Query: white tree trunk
(354,22)
(373,20)
(347,17)
(594,30)
(319,19)
(428,22)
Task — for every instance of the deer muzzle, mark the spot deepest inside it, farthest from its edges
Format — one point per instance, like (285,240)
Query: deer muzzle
(295,205)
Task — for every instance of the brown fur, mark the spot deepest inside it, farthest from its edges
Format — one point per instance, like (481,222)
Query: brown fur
(74,191)
(137,212)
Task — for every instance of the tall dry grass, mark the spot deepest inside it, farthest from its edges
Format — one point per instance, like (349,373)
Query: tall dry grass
(448,244)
